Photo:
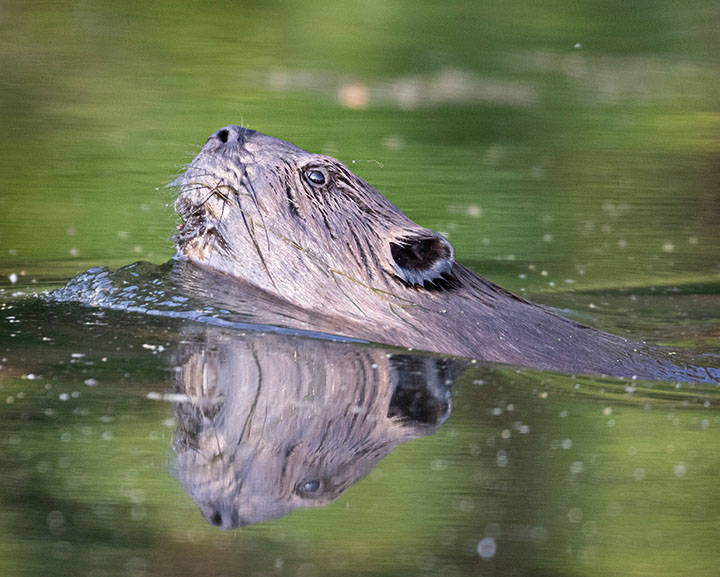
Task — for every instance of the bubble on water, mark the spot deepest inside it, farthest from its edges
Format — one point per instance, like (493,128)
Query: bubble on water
(680,470)
(502,459)
(567,444)
(487,548)
(538,534)
(90,382)
(575,515)
(439,465)
(466,505)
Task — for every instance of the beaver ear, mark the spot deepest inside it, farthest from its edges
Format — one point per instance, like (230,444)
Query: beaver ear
(421,258)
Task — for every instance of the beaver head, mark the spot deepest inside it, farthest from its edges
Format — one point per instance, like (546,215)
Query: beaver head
(289,221)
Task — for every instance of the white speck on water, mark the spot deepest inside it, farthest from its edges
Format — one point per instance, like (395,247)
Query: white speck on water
(705,423)
(466,505)
(639,474)
(474,211)
(577,46)
(107,436)
(538,534)
(497,411)
(575,515)
(77,355)
(680,470)
(611,423)
(567,444)
(668,247)
(502,458)
(487,548)
(607,411)
(548,238)
(74,252)
(577,467)
(13,278)
(439,465)
(630,390)
(30,376)
(563,414)
(90,382)
(63,396)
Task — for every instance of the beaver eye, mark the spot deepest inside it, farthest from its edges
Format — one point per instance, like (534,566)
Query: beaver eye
(307,487)
(315,177)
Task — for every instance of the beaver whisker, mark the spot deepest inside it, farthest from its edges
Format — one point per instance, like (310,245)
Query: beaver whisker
(250,227)
(251,189)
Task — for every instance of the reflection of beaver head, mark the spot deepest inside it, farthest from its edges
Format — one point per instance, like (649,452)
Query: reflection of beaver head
(275,423)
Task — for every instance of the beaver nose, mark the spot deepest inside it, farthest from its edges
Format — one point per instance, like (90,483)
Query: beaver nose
(231,134)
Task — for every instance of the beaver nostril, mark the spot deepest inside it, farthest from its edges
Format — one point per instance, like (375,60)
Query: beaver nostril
(222,135)
(216,519)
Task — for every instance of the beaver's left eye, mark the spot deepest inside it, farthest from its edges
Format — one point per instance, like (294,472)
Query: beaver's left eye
(308,487)
(315,177)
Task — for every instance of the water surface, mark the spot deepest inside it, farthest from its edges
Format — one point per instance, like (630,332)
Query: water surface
(569,152)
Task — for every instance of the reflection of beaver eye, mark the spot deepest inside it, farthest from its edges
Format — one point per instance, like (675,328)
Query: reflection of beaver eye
(315,177)
(308,487)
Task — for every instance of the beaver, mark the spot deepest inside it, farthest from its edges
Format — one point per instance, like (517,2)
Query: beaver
(304,228)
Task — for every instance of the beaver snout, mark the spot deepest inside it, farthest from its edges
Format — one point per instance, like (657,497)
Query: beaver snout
(230,134)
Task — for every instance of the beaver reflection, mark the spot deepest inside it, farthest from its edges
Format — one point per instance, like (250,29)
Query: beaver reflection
(276,422)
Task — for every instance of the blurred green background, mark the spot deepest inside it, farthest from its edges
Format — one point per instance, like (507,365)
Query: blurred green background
(579,137)
(561,146)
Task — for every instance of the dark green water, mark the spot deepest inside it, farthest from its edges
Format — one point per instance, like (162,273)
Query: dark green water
(569,150)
